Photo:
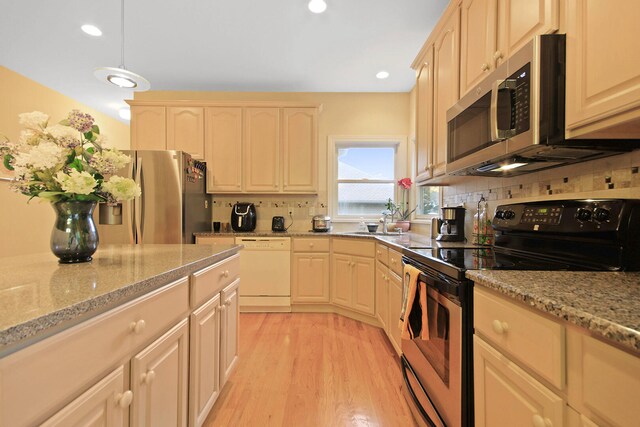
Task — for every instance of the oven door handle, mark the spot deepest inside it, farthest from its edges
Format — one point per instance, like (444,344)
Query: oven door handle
(427,418)
(442,286)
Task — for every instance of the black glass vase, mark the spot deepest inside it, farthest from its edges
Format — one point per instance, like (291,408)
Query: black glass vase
(74,237)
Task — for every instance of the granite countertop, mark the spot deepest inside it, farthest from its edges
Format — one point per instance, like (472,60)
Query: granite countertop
(39,297)
(605,303)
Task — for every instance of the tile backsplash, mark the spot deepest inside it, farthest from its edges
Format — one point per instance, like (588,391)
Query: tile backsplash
(267,206)
(610,177)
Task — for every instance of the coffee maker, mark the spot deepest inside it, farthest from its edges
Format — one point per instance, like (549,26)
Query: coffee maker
(452,224)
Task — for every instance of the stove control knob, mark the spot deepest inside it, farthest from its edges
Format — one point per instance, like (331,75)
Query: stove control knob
(500,214)
(583,214)
(601,214)
(509,214)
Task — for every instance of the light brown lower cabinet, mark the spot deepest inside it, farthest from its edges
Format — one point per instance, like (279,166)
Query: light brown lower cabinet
(159,380)
(310,278)
(104,404)
(229,330)
(395,306)
(382,294)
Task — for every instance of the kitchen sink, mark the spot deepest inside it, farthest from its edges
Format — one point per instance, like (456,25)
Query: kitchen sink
(380,233)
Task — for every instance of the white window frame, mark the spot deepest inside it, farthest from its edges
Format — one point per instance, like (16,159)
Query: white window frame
(427,217)
(398,142)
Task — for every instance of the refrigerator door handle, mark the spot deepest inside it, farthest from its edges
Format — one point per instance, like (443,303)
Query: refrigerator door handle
(132,226)
(139,202)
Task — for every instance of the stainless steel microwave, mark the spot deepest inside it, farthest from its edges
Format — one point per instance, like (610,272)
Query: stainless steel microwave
(513,122)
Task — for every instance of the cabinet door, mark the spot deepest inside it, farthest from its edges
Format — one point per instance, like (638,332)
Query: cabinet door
(341,280)
(148,128)
(395,305)
(104,404)
(506,395)
(204,367)
(262,150)
(364,287)
(520,20)
(185,130)
(223,149)
(159,376)
(229,331)
(382,295)
(603,65)
(477,42)
(300,149)
(310,278)
(424,118)
(446,50)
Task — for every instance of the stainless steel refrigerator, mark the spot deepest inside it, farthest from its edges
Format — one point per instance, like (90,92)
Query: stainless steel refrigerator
(173,205)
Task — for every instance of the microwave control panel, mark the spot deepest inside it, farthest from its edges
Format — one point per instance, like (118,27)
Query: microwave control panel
(520,111)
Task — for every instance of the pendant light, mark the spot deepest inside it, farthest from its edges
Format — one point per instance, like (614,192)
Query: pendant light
(120,76)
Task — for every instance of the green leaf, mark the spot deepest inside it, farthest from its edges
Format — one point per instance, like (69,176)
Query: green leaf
(95,129)
(7,161)
(91,150)
(89,198)
(65,122)
(88,135)
(97,176)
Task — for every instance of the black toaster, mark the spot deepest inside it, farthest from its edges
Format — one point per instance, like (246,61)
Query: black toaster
(243,217)
(277,224)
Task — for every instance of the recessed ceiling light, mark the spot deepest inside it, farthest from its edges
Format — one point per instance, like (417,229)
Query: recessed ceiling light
(317,6)
(382,75)
(124,113)
(92,30)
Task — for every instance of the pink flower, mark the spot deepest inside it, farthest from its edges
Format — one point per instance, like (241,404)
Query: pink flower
(405,183)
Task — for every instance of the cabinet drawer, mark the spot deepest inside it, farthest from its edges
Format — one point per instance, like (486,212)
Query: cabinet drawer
(354,247)
(382,253)
(47,375)
(537,342)
(211,280)
(311,245)
(505,395)
(395,262)
(206,240)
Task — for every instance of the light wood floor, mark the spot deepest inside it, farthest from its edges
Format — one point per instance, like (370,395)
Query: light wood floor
(307,369)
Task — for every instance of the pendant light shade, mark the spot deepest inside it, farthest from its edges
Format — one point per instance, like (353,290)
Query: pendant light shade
(120,76)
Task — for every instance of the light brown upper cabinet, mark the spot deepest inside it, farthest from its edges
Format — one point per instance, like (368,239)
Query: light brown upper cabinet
(446,67)
(262,150)
(185,130)
(520,20)
(477,42)
(492,30)
(299,147)
(424,117)
(603,69)
(223,149)
(148,128)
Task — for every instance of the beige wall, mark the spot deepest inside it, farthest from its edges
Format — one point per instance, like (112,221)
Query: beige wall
(26,228)
(342,114)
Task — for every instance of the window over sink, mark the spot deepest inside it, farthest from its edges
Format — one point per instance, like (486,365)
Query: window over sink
(363,175)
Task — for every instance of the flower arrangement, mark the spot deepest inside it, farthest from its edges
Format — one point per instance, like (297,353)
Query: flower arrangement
(401,210)
(66,161)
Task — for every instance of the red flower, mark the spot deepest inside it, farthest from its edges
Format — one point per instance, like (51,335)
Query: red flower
(405,183)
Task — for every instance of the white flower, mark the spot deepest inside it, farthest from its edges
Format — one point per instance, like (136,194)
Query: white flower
(42,156)
(102,140)
(76,182)
(121,188)
(65,136)
(28,137)
(107,162)
(34,120)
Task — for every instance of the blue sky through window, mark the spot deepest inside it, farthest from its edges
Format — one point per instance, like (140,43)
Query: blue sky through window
(371,163)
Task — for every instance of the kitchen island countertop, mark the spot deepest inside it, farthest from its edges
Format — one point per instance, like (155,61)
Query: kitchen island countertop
(605,303)
(39,297)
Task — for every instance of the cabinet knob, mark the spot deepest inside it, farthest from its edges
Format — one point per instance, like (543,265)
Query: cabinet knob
(497,55)
(223,308)
(227,303)
(393,261)
(539,421)
(123,400)
(484,67)
(225,273)
(137,327)
(310,245)
(499,327)
(379,253)
(148,377)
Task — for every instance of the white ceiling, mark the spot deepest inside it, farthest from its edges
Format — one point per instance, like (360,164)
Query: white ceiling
(217,45)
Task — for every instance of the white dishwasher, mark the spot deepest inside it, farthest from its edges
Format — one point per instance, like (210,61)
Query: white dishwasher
(265,274)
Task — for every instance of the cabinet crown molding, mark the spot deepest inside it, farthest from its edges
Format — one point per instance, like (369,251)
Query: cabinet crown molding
(204,103)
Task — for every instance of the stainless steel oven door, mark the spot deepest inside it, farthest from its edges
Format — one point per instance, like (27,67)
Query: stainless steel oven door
(436,363)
